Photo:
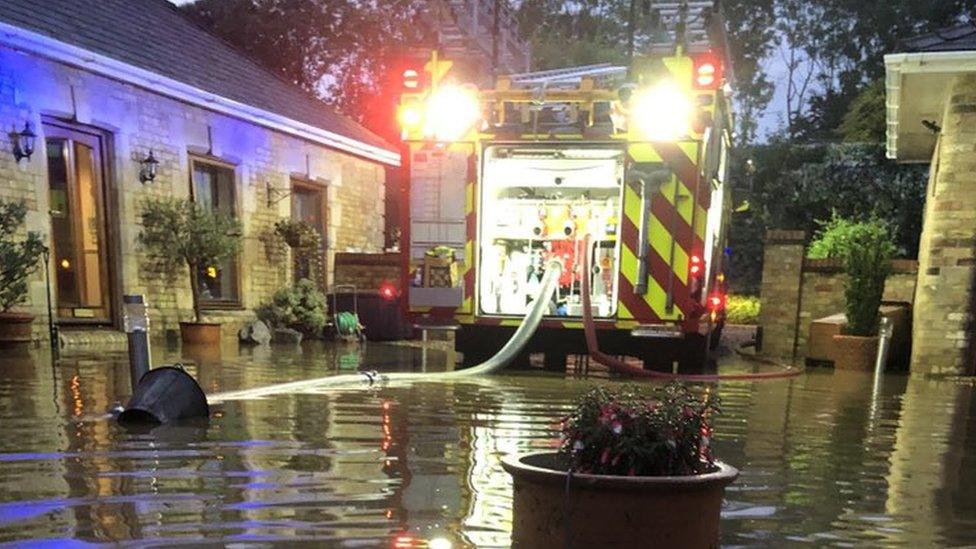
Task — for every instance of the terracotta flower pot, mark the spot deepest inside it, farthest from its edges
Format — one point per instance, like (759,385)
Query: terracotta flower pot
(15,328)
(200,333)
(613,511)
(854,352)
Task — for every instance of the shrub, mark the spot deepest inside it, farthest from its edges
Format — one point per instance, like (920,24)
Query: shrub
(866,249)
(630,432)
(742,309)
(301,307)
(18,257)
(181,233)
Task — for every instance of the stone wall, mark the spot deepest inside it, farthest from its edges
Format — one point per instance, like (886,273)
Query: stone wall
(135,119)
(797,290)
(943,315)
(368,271)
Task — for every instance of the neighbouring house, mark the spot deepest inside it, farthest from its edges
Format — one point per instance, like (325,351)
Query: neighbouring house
(931,118)
(105,82)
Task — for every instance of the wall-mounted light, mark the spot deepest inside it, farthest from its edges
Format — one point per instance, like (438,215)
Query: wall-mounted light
(24,143)
(147,174)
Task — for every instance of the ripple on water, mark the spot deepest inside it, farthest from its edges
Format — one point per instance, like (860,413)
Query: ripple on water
(823,459)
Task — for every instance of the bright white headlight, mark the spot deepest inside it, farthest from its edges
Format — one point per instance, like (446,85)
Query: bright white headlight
(662,112)
(451,112)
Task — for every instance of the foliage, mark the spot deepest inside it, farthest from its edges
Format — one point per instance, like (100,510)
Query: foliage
(181,233)
(833,237)
(18,257)
(301,307)
(865,120)
(298,233)
(339,50)
(792,186)
(742,309)
(866,249)
(630,432)
(839,48)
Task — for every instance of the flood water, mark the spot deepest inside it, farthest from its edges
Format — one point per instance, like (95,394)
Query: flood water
(824,460)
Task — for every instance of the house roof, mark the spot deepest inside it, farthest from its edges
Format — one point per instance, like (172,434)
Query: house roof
(152,35)
(961,37)
(918,82)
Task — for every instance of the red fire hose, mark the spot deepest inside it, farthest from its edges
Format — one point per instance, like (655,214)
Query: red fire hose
(621,367)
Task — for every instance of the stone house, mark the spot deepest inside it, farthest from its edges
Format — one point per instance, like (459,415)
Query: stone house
(931,118)
(102,83)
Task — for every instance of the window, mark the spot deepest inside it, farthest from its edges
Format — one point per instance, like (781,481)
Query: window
(308,205)
(212,185)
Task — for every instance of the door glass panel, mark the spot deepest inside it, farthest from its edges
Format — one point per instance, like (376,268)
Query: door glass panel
(61,225)
(89,192)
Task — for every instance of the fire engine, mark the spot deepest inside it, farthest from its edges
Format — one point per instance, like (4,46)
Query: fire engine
(626,164)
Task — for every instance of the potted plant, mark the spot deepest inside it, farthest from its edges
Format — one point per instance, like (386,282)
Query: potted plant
(18,260)
(865,249)
(298,233)
(634,470)
(183,234)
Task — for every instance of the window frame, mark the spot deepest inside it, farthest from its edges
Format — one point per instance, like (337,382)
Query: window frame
(300,184)
(195,160)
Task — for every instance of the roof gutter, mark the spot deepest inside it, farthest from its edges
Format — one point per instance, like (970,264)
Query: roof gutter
(45,46)
(898,65)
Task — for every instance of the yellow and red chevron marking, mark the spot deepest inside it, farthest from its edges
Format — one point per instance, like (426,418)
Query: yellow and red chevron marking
(676,231)
(471,233)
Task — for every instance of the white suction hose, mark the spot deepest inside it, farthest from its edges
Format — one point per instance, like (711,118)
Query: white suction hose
(505,355)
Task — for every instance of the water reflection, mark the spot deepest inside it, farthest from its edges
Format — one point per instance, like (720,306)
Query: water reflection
(824,457)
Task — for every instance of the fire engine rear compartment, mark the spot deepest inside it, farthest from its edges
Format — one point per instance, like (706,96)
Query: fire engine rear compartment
(539,203)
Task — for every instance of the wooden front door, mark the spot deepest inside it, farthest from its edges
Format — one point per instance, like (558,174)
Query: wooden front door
(76,183)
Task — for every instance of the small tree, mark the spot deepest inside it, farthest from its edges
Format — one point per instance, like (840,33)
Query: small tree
(181,233)
(866,248)
(18,257)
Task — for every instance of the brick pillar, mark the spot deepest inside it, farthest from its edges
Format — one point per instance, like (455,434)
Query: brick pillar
(943,313)
(782,272)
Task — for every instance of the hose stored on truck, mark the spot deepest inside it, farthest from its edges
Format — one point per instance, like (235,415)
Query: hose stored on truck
(511,349)
(621,367)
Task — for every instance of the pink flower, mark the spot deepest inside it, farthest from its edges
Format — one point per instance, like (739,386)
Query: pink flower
(617,427)
(605,456)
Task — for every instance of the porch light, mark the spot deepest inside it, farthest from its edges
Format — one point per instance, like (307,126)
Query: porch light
(24,144)
(147,174)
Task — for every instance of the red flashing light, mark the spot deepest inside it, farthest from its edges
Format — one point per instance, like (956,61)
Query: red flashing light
(414,79)
(388,291)
(708,72)
(411,79)
(404,541)
(694,265)
(716,301)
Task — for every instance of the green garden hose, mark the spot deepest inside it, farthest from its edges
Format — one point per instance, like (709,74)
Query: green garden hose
(347,324)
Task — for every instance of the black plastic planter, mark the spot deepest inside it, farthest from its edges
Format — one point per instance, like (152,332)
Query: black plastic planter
(163,395)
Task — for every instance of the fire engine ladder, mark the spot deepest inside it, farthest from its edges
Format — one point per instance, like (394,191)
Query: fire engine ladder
(569,77)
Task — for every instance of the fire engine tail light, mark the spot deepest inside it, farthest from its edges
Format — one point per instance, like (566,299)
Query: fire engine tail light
(388,291)
(695,266)
(707,72)
(716,302)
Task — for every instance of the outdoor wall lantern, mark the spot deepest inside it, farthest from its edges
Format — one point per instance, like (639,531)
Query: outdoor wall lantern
(148,172)
(24,143)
